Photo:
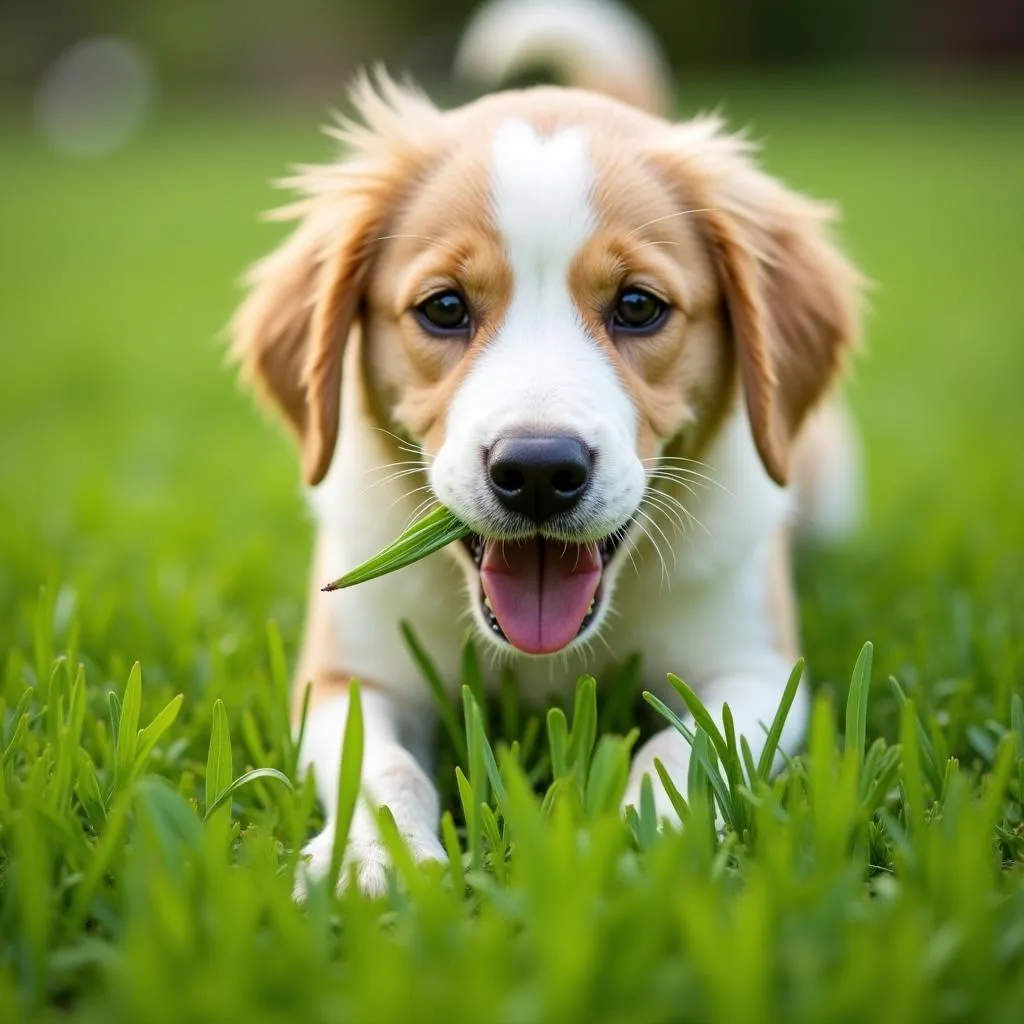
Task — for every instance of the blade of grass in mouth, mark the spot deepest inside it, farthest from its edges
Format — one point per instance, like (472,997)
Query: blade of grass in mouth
(425,536)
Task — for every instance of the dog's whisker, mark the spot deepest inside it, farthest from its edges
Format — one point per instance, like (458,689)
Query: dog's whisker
(672,216)
(670,502)
(405,495)
(629,547)
(664,536)
(668,509)
(686,512)
(663,459)
(664,478)
(603,640)
(654,542)
(427,505)
(419,238)
(661,463)
(404,443)
(647,245)
(416,463)
(391,479)
(675,458)
(674,473)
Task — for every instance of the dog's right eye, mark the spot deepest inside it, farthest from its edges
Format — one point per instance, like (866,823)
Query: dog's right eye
(445,313)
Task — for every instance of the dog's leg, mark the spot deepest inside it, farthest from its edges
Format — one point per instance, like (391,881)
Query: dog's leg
(753,699)
(392,776)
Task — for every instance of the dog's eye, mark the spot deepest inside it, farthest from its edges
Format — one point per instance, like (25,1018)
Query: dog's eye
(444,313)
(638,312)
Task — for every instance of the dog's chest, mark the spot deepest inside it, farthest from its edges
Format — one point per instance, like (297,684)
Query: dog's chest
(696,609)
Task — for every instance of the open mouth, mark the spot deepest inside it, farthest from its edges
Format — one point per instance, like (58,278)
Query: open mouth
(539,594)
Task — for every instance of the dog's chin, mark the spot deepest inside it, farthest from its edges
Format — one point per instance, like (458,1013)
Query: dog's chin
(539,595)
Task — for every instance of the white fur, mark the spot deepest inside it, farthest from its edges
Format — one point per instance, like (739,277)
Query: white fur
(541,373)
(704,617)
(828,460)
(391,776)
(361,511)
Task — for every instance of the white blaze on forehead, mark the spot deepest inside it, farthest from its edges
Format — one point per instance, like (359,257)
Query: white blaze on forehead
(541,187)
(552,374)
(540,371)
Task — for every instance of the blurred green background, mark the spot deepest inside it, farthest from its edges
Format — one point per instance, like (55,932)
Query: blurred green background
(143,488)
(163,518)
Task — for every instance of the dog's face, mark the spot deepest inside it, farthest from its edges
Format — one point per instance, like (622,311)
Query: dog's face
(552,290)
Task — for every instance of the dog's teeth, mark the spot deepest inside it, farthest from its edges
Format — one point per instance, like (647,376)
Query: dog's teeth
(487,603)
(593,605)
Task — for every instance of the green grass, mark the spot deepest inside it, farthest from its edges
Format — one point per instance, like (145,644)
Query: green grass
(148,516)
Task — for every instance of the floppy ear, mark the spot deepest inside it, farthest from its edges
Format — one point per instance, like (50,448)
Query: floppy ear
(793,300)
(290,332)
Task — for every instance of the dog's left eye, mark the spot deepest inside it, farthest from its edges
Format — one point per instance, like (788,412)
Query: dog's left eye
(445,313)
(638,312)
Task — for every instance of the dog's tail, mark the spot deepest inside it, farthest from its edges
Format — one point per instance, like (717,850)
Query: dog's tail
(591,44)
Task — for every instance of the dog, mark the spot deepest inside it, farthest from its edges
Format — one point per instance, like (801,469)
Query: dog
(606,342)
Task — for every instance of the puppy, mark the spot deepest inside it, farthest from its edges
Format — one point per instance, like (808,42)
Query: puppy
(599,338)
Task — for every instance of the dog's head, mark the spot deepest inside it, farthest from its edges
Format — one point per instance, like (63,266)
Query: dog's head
(552,291)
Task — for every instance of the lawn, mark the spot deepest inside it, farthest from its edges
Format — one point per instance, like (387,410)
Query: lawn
(151,517)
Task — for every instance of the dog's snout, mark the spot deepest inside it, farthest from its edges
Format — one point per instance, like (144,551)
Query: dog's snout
(538,477)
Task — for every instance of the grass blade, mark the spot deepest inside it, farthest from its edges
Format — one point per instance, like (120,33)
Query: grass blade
(350,775)
(929,758)
(704,753)
(1017,725)
(670,716)
(128,726)
(244,780)
(472,677)
(912,776)
(150,736)
(558,741)
(219,768)
(425,536)
(857,706)
(647,815)
(481,758)
(16,739)
(471,815)
(701,716)
(748,761)
(454,851)
(584,726)
(445,708)
(771,743)
(279,683)
(675,798)
(103,854)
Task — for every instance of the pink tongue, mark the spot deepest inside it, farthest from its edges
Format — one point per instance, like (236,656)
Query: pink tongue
(540,590)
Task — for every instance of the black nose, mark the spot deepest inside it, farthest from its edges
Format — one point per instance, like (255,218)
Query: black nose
(538,477)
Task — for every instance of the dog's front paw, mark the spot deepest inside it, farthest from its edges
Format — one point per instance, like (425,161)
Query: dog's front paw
(668,748)
(365,856)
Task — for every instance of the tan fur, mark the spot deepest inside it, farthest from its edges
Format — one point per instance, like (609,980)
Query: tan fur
(319,655)
(780,599)
(711,224)
(754,282)
(290,333)
(793,299)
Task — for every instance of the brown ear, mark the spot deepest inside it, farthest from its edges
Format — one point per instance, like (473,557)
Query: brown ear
(291,331)
(793,300)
